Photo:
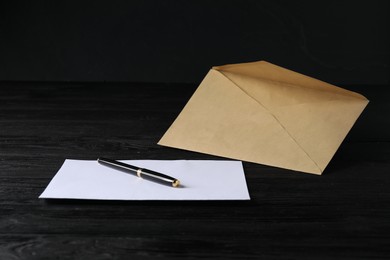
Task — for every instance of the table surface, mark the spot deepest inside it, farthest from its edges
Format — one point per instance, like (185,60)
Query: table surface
(343,214)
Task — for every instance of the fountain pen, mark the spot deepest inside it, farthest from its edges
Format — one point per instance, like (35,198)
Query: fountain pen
(140,172)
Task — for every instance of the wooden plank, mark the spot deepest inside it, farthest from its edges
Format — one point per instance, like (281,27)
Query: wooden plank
(343,214)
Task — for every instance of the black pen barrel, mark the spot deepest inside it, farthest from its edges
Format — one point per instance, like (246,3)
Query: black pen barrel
(142,173)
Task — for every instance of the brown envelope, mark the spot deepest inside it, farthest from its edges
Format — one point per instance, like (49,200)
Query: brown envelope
(259,112)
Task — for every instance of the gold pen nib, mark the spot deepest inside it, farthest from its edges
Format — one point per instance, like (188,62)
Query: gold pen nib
(175,183)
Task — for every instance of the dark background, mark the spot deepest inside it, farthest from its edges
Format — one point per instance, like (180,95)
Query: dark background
(143,60)
(342,42)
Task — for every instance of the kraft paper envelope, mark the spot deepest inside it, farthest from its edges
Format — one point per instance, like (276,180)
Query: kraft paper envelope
(262,113)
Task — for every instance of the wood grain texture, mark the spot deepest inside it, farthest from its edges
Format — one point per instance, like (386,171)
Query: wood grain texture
(343,214)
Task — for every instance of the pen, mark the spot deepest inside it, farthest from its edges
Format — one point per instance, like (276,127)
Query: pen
(142,173)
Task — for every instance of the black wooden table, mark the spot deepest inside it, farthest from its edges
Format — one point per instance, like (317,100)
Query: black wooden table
(343,214)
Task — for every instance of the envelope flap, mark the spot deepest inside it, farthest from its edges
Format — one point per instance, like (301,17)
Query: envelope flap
(268,72)
(274,94)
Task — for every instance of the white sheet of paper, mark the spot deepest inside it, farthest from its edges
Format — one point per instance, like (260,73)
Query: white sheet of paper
(199,180)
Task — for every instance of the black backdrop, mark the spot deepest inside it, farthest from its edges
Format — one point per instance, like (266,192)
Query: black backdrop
(342,42)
